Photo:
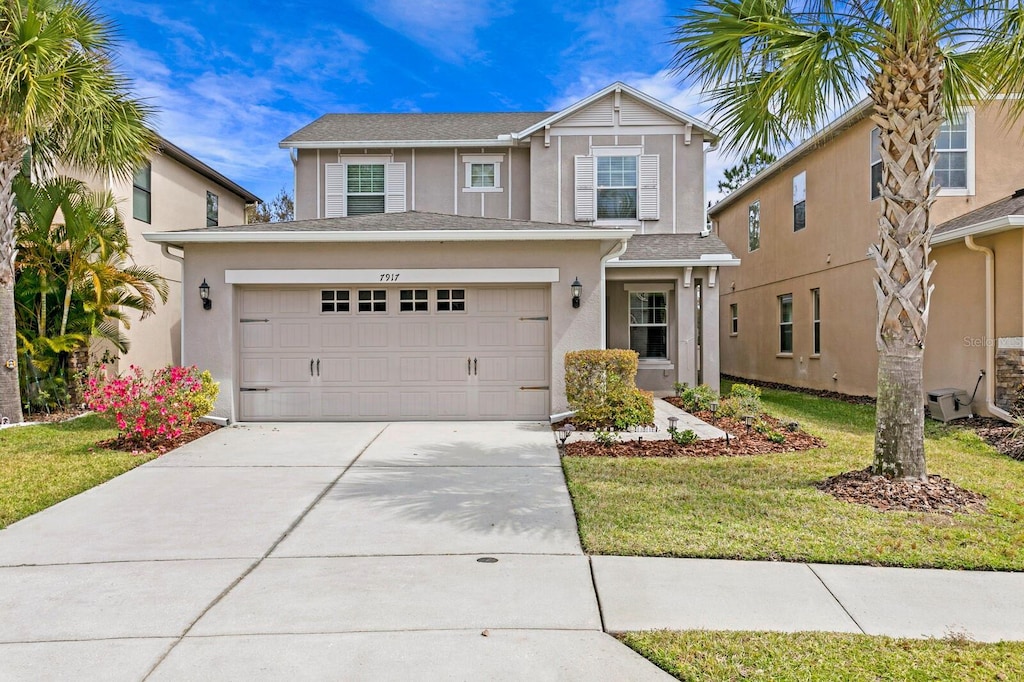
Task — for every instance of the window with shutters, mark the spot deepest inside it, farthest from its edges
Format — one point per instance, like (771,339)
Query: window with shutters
(617,185)
(364,188)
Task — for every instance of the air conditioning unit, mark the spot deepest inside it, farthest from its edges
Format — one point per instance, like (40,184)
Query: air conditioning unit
(947,404)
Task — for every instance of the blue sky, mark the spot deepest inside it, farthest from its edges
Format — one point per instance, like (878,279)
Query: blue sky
(231,79)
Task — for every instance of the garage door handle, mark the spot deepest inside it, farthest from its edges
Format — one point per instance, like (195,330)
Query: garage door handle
(534,388)
(244,320)
(469,366)
(311,367)
(474,366)
(534,319)
(318,366)
(254,390)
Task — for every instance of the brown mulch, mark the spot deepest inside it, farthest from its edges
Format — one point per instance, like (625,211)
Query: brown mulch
(740,443)
(998,434)
(55,415)
(832,395)
(199,430)
(937,495)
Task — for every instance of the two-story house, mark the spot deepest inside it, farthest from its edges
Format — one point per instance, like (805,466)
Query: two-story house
(441,265)
(802,310)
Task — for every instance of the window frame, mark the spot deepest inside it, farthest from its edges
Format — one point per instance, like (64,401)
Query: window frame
(336,301)
(377,296)
(754,240)
(785,326)
(212,219)
(418,301)
(471,160)
(800,201)
(349,165)
(875,140)
(449,302)
(967,114)
(147,191)
(598,187)
(734,319)
(643,291)
(815,322)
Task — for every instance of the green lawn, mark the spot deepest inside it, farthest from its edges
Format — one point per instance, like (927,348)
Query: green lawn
(766,507)
(42,465)
(805,656)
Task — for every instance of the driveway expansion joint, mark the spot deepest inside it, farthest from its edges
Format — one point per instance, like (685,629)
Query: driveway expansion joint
(833,595)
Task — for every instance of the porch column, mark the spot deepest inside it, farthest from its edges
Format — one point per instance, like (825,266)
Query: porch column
(686,351)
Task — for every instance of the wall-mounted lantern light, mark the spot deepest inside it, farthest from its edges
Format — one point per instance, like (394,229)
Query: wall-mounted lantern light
(577,291)
(204,293)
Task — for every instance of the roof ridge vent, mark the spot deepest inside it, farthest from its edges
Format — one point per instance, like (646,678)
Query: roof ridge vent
(1019,193)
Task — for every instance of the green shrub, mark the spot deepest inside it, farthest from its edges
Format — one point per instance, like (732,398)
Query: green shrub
(679,387)
(682,437)
(606,437)
(698,398)
(1017,409)
(776,437)
(747,399)
(600,386)
(728,408)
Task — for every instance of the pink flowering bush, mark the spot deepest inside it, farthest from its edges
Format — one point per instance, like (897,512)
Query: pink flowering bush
(155,408)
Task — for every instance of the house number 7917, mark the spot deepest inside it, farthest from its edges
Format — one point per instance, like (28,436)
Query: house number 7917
(389,277)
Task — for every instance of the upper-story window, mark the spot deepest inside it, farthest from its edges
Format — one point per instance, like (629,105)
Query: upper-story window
(951,152)
(617,184)
(483,172)
(876,164)
(363,185)
(754,226)
(800,201)
(616,188)
(212,210)
(142,197)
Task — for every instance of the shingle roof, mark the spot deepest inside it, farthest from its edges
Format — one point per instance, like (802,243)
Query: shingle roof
(1011,205)
(653,247)
(396,127)
(394,222)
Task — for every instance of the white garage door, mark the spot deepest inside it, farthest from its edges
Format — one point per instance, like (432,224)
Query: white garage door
(365,353)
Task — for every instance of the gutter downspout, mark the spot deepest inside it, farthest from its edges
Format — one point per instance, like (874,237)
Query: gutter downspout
(615,252)
(990,328)
(705,229)
(165,249)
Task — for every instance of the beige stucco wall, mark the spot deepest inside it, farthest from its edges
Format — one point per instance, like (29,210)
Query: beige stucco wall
(210,338)
(830,254)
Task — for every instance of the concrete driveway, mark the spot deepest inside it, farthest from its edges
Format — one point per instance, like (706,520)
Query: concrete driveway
(312,551)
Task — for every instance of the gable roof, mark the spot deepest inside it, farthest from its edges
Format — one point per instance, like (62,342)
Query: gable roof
(181,156)
(675,249)
(391,227)
(619,86)
(335,130)
(1001,215)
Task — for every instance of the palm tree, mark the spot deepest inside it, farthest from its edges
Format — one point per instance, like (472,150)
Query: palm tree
(60,96)
(773,69)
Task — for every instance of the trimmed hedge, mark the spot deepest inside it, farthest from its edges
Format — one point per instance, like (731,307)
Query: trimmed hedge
(601,386)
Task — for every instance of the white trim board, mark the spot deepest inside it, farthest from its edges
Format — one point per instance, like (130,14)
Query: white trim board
(396,276)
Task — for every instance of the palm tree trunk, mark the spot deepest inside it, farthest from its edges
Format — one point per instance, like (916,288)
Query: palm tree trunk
(908,111)
(12,149)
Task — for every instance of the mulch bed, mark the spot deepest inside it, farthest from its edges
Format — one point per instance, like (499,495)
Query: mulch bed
(832,395)
(998,434)
(937,495)
(740,443)
(55,415)
(198,431)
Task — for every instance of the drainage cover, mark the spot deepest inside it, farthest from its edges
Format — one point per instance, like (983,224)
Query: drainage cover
(487,560)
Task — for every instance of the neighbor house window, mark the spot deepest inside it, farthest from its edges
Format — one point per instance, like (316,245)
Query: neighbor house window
(482,175)
(951,149)
(816,319)
(734,318)
(365,188)
(142,198)
(212,209)
(483,172)
(412,301)
(373,300)
(451,300)
(754,226)
(876,164)
(648,324)
(800,202)
(786,323)
(616,187)
(334,301)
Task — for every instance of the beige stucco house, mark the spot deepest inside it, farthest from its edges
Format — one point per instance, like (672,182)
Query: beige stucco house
(172,190)
(430,271)
(801,309)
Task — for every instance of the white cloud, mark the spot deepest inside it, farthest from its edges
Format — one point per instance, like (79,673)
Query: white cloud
(446,27)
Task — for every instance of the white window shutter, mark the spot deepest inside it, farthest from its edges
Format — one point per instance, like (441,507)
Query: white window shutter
(334,190)
(586,192)
(394,188)
(647,193)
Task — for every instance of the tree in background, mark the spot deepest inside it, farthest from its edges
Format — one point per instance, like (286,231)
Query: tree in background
(280,210)
(61,96)
(749,166)
(773,68)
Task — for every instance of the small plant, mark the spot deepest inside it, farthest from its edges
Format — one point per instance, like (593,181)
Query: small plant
(685,437)
(606,437)
(698,398)
(776,437)
(679,387)
(151,409)
(761,427)
(1018,428)
(1017,409)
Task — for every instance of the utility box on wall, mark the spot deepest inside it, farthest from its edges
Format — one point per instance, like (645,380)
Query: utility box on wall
(947,404)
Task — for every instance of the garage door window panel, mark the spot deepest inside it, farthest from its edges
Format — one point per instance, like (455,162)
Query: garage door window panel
(373,301)
(334,301)
(413,301)
(451,300)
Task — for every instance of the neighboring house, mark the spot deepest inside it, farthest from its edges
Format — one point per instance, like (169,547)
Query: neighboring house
(429,272)
(173,190)
(802,309)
